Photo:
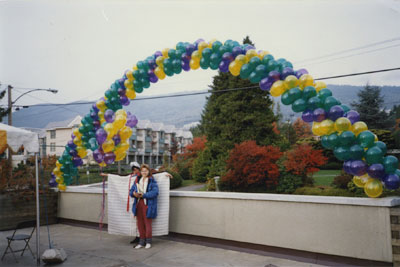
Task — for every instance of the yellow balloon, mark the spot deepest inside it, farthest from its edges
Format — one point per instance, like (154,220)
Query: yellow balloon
(201,46)
(110,129)
(250,54)
(373,188)
(101,105)
(234,68)
(119,122)
(159,72)
(128,84)
(77,133)
(62,187)
(342,124)
(129,75)
(291,81)
(327,127)
(306,80)
(58,164)
(103,164)
(77,141)
(210,43)
(360,181)
(262,53)
(59,180)
(123,146)
(194,64)
(196,55)
(81,151)
(120,156)
(135,67)
(160,60)
(165,52)
(376,138)
(319,86)
(359,127)
(316,128)
(120,112)
(130,93)
(125,132)
(100,114)
(102,120)
(57,171)
(108,145)
(241,59)
(277,88)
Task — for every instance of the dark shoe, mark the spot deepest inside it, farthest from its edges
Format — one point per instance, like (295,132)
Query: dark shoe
(136,240)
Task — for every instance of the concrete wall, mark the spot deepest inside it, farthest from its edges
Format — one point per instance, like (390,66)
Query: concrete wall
(352,227)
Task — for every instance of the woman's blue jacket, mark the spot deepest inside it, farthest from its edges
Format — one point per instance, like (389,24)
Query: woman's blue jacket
(150,196)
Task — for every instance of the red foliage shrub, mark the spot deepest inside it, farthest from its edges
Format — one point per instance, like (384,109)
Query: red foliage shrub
(302,129)
(198,145)
(249,164)
(303,160)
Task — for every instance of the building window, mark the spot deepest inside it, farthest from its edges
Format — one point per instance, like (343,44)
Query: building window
(53,134)
(52,147)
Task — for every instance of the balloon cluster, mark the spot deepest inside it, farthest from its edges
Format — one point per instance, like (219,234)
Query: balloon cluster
(107,128)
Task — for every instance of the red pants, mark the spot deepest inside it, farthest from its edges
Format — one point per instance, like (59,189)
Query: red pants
(143,223)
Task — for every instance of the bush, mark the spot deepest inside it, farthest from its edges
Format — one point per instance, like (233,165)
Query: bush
(288,183)
(342,180)
(251,167)
(211,184)
(323,191)
(176,181)
(201,166)
(332,165)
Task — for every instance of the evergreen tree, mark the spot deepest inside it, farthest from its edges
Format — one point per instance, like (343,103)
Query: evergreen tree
(232,117)
(3,111)
(371,109)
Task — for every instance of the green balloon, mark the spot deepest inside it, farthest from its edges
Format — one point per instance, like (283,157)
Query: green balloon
(295,93)
(342,153)
(314,103)
(391,163)
(374,155)
(214,66)
(272,65)
(223,49)
(245,71)
(345,108)
(366,139)
(171,54)
(215,58)
(254,77)
(206,53)
(329,102)
(325,142)
(204,63)
(333,140)
(216,46)
(266,59)
(169,71)
(356,152)
(309,92)
(299,105)
(347,138)
(254,62)
(261,70)
(324,93)
(286,99)
(382,146)
(167,63)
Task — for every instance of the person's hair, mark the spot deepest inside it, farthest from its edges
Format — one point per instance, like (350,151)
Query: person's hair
(135,167)
(146,167)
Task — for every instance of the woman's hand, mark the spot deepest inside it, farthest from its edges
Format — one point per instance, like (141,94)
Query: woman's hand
(137,195)
(104,174)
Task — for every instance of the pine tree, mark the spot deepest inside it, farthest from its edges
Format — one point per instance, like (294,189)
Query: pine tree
(232,117)
(371,109)
(3,111)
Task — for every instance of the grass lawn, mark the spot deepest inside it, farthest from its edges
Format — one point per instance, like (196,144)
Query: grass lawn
(325,177)
(189,182)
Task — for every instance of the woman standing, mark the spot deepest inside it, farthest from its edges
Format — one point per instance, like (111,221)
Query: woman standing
(145,192)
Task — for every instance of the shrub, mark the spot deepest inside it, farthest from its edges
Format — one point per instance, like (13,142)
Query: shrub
(251,167)
(342,180)
(201,166)
(211,184)
(323,191)
(288,183)
(176,181)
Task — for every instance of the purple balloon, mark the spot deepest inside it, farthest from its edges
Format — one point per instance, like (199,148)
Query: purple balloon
(109,158)
(121,91)
(199,40)
(98,156)
(286,72)
(189,49)
(124,100)
(185,65)
(122,83)
(116,139)
(77,161)
(152,64)
(71,144)
(353,116)
(266,83)
(275,75)
(95,108)
(358,167)
(109,115)
(319,115)
(185,56)
(335,113)
(152,77)
(347,166)
(227,57)
(223,66)
(96,124)
(101,136)
(52,182)
(158,54)
(376,171)
(237,50)
(301,72)
(391,181)
(131,121)
(307,116)
(93,115)
(73,153)
(249,47)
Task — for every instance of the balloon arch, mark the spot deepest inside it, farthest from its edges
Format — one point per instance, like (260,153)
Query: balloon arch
(107,128)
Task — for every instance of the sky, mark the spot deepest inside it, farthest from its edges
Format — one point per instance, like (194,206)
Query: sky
(81,47)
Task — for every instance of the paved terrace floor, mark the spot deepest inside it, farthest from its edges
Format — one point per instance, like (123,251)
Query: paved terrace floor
(90,247)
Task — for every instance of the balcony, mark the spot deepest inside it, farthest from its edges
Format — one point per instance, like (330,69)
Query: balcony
(148,139)
(133,137)
(147,150)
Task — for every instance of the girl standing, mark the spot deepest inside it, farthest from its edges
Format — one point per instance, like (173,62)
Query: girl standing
(145,192)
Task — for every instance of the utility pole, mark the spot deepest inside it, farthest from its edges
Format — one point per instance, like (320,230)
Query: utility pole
(9,123)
